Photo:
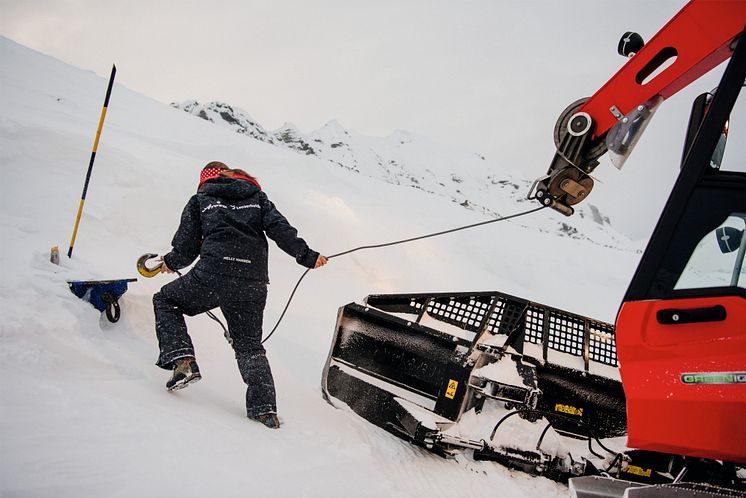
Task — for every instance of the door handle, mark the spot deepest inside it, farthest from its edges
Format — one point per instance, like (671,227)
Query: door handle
(674,316)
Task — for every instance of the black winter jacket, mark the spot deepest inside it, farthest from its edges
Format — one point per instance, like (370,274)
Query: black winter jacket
(224,224)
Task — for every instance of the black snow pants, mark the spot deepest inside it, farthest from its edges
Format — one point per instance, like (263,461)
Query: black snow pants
(242,303)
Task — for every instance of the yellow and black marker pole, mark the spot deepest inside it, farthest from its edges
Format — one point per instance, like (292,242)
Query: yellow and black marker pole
(93,158)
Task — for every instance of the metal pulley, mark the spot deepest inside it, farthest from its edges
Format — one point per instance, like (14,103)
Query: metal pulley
(568,180)
(570,185)
(576,124)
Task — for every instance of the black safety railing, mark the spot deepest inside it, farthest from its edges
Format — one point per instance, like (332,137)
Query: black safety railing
(520,320)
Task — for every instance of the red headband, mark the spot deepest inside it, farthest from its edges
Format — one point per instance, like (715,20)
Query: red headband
(212,173)
(208,174)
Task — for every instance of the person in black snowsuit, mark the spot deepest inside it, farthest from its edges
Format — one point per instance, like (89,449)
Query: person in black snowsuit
(225,224)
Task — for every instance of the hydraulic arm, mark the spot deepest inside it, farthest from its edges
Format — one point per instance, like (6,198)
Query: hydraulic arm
(698,38)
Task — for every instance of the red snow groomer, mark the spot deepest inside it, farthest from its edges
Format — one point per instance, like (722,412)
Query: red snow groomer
(517,382)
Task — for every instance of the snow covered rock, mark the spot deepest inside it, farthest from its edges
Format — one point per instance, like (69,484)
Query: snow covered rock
(227,116)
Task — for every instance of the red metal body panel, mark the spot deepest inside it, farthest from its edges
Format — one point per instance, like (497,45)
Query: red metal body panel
(665,414)
(700,34)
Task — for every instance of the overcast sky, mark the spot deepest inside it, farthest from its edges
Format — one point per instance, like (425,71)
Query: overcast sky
(437,68)
(463,72)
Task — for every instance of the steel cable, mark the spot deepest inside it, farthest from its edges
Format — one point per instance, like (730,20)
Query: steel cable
(387,244)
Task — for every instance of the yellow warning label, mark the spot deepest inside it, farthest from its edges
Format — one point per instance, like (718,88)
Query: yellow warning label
(569,409)
(452,386)
(638,471)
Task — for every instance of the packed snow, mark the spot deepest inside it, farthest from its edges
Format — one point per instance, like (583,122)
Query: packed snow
(85,411)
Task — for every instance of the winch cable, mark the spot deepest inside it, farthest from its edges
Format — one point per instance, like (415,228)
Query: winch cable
(212,315)
(387,244)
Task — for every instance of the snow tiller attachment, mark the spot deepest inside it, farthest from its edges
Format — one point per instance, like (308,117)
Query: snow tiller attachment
(483,372)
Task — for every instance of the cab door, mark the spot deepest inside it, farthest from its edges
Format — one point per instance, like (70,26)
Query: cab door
(681,332)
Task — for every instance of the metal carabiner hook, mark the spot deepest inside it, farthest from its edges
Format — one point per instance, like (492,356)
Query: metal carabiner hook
(144,270)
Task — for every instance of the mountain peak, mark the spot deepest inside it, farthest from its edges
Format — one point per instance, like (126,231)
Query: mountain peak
(287,126)
(332,128)
(334,124)
(228,116)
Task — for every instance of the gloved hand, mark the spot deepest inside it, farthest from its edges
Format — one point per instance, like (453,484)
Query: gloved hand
(164,266)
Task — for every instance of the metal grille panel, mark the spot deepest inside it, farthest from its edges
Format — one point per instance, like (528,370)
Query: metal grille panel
(500,313)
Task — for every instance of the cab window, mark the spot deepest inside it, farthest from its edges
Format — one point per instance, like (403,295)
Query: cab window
(717,260)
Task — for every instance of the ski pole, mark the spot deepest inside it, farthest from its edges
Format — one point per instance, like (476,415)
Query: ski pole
(93,158)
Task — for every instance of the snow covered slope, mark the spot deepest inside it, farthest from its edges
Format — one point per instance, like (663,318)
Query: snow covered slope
(406,159)
(84,411)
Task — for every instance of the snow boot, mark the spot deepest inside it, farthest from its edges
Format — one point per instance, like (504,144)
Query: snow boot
(268,419)
(186,372)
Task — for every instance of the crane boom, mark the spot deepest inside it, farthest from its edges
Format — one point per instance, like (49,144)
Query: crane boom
(698,38)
